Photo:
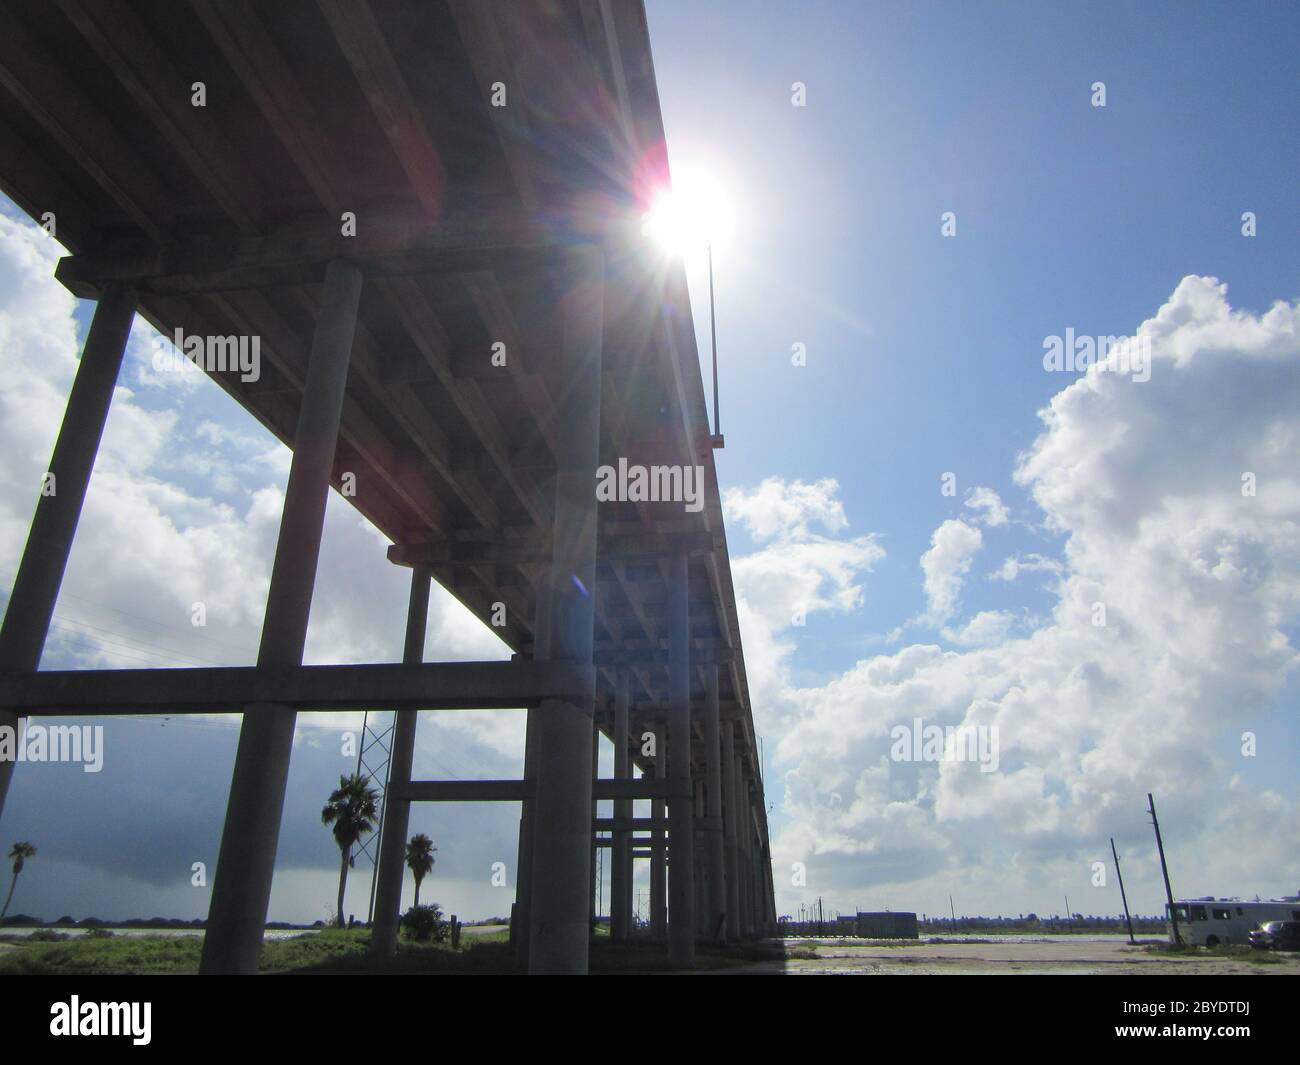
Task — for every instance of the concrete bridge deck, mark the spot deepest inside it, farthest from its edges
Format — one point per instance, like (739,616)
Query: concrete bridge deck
(428,214)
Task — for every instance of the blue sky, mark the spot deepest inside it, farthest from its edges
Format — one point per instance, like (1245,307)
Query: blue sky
(924,352)
(924,356)
(1068,215)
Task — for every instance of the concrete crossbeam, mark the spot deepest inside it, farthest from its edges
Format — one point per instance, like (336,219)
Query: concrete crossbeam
(611,548)
(294,257)
(464,790)
(228,689)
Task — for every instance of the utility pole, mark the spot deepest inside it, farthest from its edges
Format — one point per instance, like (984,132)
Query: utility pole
(953,911)
(1123,898)
(1164,868)
(1067,911)
(717,438)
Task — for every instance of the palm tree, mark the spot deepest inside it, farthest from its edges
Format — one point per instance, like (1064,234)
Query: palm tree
(419,858)
(21,852)
(352,810)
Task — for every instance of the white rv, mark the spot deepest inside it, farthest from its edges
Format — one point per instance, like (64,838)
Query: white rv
(1209,922)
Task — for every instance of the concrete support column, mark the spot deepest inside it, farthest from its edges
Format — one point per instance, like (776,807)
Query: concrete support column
(246,863)
(701,861)
(715,847)
(397,813)
(49,540)
(521,924)
(744,834)
(730,821)
(620,887)
(765,887)
(659,853)
(681,828)
(562,847)
(593,893)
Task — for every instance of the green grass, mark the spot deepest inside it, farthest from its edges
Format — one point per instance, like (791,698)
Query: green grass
(346,951)
(166,954)
(119,954)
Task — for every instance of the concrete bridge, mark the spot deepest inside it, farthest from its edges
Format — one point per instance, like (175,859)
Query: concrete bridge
(429,214)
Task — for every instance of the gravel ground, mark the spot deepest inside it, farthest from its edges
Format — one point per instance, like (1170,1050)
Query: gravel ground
(1020,958)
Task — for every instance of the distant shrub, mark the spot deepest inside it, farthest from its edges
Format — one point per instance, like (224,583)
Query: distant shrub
(425,924)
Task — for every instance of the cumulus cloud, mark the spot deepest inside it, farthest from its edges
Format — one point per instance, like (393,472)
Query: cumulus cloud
(796,575)
(1177,500)
(1014,565)
(184,511)
(1200,584)
(781,509)
(988,504)
(952,549)
(984,629)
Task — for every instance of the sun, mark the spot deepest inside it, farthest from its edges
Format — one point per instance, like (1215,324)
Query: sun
(694,213)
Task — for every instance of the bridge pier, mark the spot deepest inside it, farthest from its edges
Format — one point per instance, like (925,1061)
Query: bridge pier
(730,825)
(620,889)
(659,851)
(54,526)
(520,925)
(744,831)
(241,890)
(397,814)
(681,828)
(715,846)
(560,906)
(594,886)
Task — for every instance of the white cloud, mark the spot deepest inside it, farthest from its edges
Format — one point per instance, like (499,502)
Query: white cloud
(796,576)
(1014,565)
(1201,584)
(945,565)
(1144,480)
(184,508)
(986,628)
(992,511)
(786,509)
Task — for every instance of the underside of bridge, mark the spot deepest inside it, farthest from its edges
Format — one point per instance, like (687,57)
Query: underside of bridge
(428,214)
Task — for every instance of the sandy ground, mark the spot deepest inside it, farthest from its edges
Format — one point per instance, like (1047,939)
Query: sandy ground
(1010,959)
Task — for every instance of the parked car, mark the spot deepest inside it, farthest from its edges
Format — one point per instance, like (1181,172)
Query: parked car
(1276,935)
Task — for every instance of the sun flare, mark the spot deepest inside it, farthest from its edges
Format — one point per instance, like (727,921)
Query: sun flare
(694,213)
